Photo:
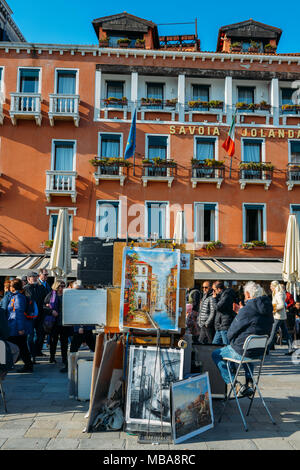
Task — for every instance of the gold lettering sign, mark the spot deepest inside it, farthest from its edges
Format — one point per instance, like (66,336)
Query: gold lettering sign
(245,132)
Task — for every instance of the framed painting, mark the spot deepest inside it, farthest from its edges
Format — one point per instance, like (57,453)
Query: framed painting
(150,289)
(150,374)
(192,411)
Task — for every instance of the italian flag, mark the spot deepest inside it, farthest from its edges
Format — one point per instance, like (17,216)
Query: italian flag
(229,144)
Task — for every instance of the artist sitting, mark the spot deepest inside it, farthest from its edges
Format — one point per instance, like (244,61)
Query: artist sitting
(256,318)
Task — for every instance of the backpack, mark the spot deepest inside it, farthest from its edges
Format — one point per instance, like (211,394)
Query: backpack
(31,309)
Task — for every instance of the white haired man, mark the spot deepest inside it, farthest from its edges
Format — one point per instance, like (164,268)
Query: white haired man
(255,318)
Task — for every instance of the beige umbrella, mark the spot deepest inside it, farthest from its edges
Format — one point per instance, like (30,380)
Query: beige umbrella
(60,261)
(180,235)
(291,259)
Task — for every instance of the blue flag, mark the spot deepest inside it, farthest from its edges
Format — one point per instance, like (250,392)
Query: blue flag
(130,147)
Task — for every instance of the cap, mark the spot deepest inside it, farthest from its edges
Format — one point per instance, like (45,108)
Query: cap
(32,274)
(24,278)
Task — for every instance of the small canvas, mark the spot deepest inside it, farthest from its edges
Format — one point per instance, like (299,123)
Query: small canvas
(150,289)
(84,307)
(150,375)
(192,411)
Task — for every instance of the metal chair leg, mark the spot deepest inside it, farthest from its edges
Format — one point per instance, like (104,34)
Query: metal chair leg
(3,396)
(256,387)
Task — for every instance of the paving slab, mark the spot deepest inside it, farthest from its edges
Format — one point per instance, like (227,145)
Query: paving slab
(25,444)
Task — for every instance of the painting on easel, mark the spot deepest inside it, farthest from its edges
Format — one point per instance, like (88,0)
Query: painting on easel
(150,289)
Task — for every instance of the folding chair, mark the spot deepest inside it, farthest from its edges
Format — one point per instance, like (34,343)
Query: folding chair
(252,342)
(2,361)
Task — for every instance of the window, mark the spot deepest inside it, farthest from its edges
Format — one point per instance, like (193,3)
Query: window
(254,222)
(252,152)
(114,89)
(246,94)
(63,158)
(66,82)
(286,95)
(29,80)
(157,146)
(201,93)
(107,225)
(205,148)
(155,90)
(53,225)
(110,145)
(157,220)
(114,37)
(205,222)
(294,152)
(296,211)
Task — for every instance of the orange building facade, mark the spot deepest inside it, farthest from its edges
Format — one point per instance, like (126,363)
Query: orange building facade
(65,117)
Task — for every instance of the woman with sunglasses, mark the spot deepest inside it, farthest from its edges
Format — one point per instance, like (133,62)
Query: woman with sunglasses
(53,303)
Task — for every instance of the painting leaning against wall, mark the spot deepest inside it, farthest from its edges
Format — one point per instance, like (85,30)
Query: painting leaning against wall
(150,289)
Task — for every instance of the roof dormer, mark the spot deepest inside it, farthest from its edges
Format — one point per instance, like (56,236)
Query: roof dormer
(125,30)
(248,36)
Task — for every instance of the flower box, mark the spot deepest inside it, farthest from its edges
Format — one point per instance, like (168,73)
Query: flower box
(108,162)
(104,43)
(151,101)
(111,101)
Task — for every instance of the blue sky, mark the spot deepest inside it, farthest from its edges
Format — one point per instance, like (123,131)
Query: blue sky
(69,21)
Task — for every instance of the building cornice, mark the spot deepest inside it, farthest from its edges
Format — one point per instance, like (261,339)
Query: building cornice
(165,54)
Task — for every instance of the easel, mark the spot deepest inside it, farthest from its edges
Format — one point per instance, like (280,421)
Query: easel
(112,346)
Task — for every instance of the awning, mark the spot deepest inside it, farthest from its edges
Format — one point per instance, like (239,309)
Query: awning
(19,265)
(238,269)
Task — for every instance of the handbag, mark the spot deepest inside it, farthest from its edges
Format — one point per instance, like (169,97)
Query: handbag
(48,324)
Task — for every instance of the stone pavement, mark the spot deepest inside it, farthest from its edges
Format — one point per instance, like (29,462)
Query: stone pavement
(42,416)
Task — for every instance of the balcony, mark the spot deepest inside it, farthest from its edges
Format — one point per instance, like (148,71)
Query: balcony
(110,169)
(207,171)
(64,107)
(25,106)
(246,112)
(61,183)
(155,108)
(292,175)
(256,173)
(197,107)
(290,114)
(159,171)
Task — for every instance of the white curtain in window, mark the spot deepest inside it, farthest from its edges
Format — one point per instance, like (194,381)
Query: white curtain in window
(155,90)
(252,152)
(157,220)
(64,154)
(110,146)
(108,220)
(201,92)
(66,82)
(29,81)
(295,152)
(205,148)
(245,95)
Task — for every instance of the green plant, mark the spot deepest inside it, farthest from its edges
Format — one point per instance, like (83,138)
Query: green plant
(254,44)
(253,244)
(123,41)
(236,44)
(215,104)
(208,162)
(256,166)
(74,245)
(270,48)
(105,161)
(48,243)
(140,41)
(213,245)
(198,104)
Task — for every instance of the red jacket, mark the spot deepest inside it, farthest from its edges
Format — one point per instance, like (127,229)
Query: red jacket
(289,300)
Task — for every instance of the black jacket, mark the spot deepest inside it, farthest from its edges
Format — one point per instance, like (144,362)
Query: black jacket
(224,312)
(207,310)
(256,318)
(4,329)
(38,293)
(194,298)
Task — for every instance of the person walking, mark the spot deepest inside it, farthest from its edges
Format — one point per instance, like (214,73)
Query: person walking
(36,292)
(18,326)
(280,317)
(42,280)
(206,315)
(223,300)
(53,304)
(255,318)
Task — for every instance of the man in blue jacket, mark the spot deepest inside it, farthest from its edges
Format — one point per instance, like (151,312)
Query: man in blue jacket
(256,318)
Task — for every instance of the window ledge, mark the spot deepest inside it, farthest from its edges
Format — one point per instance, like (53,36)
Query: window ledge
(164,179)
(217,181)
(243,182)
(120,178)
(291,184)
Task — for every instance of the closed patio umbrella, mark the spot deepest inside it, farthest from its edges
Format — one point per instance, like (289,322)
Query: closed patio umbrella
(291,259)
(180,235)
(60,261)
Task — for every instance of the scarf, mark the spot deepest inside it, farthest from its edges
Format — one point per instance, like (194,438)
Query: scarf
(54,300)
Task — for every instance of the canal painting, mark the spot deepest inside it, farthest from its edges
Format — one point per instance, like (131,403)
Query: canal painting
(192,407)
(150,289)
(151,372)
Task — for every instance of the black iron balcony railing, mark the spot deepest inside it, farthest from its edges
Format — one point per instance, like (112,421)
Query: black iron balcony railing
(293,172)
(200,169)
(256,171)
(159,170)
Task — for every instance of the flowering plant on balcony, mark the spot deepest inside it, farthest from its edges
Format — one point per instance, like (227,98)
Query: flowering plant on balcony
(113,100)
(263,106)
(207,162)
(140,43)
(113,161)
(216,104)
(158,161)
(290,107)
(254,46)
(151,101)
(198,104)
(270,48)
(254,244)
(213,245)
(256,166)
(171,103)
(103,40)
(236,46)
(123,41)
